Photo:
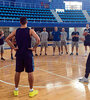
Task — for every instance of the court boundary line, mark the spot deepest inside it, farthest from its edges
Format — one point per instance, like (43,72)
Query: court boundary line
(47,61)
(51,73)
(34,86)
(6,66)
(7,83)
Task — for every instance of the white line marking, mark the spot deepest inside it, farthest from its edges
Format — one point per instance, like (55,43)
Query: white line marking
(54,86)
(44,71)
(35,86)
(21,85)
(6,66)
(54,74)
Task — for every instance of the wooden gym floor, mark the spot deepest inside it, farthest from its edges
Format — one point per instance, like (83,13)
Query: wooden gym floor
(56,77)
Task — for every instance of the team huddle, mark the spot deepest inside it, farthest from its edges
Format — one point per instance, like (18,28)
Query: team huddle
(60,40)
(25,40)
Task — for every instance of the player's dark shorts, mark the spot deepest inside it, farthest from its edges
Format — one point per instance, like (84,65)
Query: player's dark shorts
(15,45)
(88,65)
(86,43)
(24,62)
(1,49)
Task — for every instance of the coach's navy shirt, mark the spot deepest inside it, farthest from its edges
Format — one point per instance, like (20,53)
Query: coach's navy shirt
(1,40)
(56,36)
(87,38)
(75,39)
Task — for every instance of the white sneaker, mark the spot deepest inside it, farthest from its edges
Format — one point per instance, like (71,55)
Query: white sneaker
(84,80)
(85,54)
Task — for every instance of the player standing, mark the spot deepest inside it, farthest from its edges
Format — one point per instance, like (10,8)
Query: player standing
(1,44)
(24,55)
(87,38)
(75,40)
(64,40)
(44,40)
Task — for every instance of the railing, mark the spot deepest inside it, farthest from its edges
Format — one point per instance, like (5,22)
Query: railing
(22,4)
(74,7)
(34,21)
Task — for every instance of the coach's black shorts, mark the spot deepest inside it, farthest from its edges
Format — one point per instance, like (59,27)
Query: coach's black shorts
(86,43)
(24,62)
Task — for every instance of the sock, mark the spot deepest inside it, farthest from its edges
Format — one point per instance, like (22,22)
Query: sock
(85,51)
(31,90)
(16,89)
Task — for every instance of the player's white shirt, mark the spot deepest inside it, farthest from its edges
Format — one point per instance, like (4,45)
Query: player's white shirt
(44,36)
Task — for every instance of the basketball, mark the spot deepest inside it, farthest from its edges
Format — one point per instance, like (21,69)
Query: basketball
(85,33)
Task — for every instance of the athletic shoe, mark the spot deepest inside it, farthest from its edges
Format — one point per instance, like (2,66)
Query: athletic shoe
(66,52)
(40,54)
(61,52)
(3,59)
(84,80)
(12,57)
(85,54)
(33,93)
(15,93)
(71,54)
(46,54)
(77,54)
(36,55)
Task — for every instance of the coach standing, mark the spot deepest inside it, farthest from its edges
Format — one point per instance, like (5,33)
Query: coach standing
(57,39)
(1,44)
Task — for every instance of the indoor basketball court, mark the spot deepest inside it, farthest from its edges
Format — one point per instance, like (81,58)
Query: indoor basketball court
(56,77)
(44,50)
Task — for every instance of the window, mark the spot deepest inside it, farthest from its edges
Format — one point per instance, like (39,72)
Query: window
(73,5)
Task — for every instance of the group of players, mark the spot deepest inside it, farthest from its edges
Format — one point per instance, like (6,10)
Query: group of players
(59,40)
(20,41)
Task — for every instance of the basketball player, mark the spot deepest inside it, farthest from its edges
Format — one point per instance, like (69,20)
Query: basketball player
(33,43)
(87,38)
(56,39)
(63,40)
(75,41)
(85,78)
(14,42)
(24,56)
(1,44)
(44,40)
